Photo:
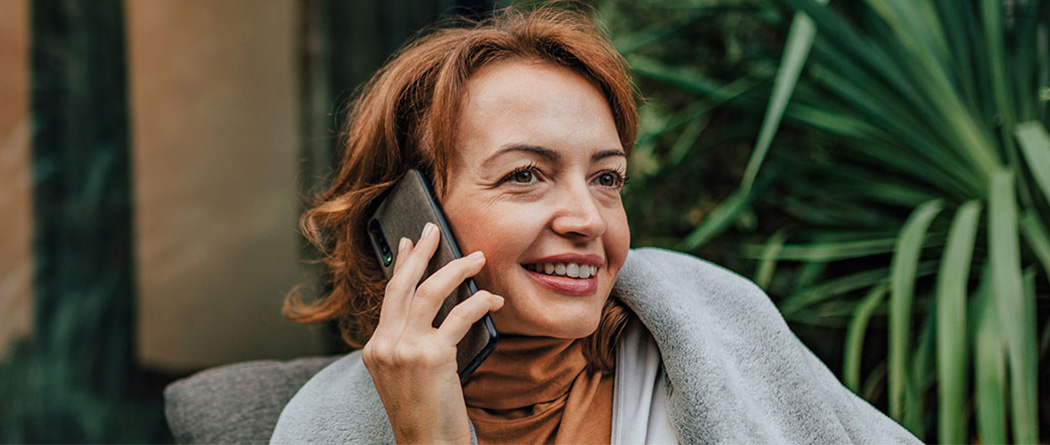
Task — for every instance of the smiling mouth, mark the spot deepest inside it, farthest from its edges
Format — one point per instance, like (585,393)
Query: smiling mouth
(564,284)
(569,270)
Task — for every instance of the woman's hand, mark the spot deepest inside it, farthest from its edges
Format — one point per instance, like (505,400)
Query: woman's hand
(412,363)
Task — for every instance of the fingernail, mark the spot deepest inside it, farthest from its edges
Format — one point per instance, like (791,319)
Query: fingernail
(402,245)
(429,227)
(476,255)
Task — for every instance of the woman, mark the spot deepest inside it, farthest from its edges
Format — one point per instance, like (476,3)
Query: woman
(525,122)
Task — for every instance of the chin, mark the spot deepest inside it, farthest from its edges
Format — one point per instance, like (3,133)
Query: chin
(568,320)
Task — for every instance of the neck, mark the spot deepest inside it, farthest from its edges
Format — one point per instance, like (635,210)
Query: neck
(524,371)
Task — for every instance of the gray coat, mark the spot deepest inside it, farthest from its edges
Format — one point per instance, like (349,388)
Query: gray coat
(736,373)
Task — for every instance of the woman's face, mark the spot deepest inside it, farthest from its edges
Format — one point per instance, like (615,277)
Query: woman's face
(534,183)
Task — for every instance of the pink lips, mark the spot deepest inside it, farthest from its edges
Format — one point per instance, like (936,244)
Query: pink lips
(566,285)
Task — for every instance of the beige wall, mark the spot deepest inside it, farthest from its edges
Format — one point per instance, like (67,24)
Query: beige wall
(215,148)
(15,208)
(215,130)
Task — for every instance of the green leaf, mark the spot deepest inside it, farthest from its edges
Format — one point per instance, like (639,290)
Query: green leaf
(768,262)
(989,367)
(953,16)
(632,42)
(880,109)
(872,385)
(1031,352)
(816,211)
(724,214)
(991,15)
(922,373)
(1038,240)
(902,287)
(1018,331)
(855,334)
(841,285)
(840,32)
(1044,342)
(831,121)
(799,41)
(825,251)
(811,271)
(686,141)
(1035,145)
(916,26)
(718,97)
(690,80)
(952,284)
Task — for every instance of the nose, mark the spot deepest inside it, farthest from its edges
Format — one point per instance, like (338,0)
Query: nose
(577,214)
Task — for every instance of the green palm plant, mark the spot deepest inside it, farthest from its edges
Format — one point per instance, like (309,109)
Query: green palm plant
(917,173)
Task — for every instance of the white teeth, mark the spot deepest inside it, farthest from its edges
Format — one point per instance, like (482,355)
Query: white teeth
(571,270)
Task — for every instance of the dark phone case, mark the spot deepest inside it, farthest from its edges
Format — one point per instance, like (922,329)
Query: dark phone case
(403,212)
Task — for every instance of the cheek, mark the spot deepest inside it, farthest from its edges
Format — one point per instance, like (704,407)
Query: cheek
(617,238)
(493,229)
(466,219)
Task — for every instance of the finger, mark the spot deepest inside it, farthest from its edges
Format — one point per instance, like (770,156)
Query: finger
(395,302)
(465,314)
(404,248)
(414,266)
(431,294)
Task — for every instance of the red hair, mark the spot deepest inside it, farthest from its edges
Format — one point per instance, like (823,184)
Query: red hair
(405,117)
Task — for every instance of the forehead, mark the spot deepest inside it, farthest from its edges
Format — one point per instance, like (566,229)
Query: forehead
(533,103)
(526,81)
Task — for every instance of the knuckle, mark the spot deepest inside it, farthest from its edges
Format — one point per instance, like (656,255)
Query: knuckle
(405,355)
(368,355)
(433,357)
(427,251)
(426,291)
(419,355)
(485,297)
(464,262)
(393,285)
(467,267)
(461,313)
(378,353)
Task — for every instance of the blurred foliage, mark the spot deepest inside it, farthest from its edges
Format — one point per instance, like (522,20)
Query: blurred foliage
(897,214)
(75,380)
(44,403)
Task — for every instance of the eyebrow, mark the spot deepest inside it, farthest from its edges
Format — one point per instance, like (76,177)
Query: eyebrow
(545,153)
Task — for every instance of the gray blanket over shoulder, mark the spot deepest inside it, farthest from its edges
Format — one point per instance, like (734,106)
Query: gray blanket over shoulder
(737,374)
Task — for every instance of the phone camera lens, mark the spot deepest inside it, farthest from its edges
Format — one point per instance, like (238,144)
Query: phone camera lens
(380,240)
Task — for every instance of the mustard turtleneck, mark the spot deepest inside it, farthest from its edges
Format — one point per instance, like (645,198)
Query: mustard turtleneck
(538,390)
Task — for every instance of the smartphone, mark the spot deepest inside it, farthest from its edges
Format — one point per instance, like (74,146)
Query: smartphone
(402,212)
